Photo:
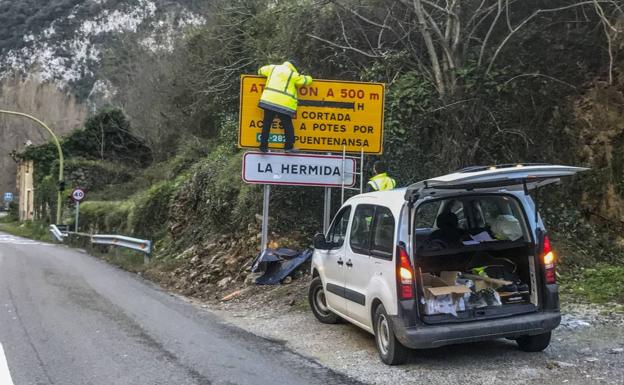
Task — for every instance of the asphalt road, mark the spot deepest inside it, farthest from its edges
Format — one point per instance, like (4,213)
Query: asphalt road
(69,318)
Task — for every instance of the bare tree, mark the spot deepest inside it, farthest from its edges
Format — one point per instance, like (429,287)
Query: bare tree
(448,31)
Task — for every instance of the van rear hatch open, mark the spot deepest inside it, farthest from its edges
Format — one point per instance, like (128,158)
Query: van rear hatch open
(491,178)
(476,254)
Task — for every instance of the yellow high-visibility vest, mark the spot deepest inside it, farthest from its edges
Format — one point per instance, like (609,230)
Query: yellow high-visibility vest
(382,182)
(280,91)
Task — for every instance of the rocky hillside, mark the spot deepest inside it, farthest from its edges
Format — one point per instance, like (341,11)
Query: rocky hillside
(51,54)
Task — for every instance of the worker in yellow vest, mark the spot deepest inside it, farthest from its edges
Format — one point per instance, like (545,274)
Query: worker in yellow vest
(381,181)
(279,99)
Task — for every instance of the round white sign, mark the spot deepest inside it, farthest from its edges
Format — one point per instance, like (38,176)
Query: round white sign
(78,194)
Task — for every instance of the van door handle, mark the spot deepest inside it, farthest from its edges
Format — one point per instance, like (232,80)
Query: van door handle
(340,262)
(349,264)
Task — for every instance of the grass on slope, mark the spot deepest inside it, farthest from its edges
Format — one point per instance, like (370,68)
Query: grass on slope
(28,229)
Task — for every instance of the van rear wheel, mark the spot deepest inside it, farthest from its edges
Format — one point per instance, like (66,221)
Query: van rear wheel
(318,303)
(535,343)
(390,349)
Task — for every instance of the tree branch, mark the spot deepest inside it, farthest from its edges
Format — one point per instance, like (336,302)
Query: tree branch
(529,18)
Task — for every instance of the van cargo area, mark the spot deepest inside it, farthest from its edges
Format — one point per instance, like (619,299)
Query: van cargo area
(474,258)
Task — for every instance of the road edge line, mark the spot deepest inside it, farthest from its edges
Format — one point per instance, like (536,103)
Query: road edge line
(5,374)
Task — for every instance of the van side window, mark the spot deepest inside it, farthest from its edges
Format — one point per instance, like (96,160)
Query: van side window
(338,231)
(382,243)
(359,238)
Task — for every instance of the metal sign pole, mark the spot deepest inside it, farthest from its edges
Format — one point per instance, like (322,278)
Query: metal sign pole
(77,213)
(344,154)
(327,210)
(362,171)
(265,217)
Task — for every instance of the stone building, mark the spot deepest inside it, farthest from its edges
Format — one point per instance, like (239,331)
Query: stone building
(26,190)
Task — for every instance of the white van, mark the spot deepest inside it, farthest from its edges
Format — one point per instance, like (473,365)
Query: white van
(458,258)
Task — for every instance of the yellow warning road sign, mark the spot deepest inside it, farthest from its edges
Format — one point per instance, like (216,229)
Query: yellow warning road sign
(331,114)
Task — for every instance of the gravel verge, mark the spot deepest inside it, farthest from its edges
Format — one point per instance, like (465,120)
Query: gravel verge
(586,349)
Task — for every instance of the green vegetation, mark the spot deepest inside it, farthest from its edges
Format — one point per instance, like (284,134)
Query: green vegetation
(126,259)
(166,167)
(27,229)
(602,283)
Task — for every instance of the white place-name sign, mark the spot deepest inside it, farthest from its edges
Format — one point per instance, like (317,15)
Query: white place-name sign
(297,169)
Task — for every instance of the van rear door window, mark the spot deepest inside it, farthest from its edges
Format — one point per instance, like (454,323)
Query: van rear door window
(469,220)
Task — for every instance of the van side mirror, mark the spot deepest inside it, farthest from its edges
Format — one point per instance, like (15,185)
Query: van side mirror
(320,242)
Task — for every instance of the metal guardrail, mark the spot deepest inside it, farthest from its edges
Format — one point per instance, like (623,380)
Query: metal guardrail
(57,234)
(141,245)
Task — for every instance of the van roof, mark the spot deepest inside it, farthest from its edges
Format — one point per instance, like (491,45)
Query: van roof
(393,199)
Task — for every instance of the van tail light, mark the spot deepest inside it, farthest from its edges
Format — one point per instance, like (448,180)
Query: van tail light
(549,261)
(405,275)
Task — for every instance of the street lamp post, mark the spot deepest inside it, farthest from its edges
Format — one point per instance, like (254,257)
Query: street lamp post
(59,196)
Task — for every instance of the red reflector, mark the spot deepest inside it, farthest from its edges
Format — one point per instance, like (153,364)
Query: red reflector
(406,292)
(551,276)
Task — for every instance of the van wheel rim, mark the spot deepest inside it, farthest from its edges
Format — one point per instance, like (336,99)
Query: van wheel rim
(320,302)
(383,334)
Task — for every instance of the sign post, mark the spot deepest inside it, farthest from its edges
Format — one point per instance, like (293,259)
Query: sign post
(265,217)
(327,210)
(296,170)
(331,116)
(77,195)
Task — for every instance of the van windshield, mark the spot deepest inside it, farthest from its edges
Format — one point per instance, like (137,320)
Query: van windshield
(457,222)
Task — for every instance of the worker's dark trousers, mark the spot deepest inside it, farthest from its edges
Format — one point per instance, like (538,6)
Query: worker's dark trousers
(289,131)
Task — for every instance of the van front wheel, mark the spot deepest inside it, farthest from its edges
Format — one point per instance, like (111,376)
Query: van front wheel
(390,349)
(535,343)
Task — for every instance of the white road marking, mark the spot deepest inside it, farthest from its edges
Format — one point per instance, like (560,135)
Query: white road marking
(5,375)
(12,240)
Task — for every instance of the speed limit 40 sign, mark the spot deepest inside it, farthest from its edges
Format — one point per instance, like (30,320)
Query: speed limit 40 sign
(78,194)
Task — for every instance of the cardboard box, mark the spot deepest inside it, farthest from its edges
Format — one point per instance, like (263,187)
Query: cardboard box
(450,277)
(442,298)
(436,286)
(444,290)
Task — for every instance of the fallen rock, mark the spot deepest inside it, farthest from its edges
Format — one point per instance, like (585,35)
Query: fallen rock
(224,281)
(616,351)
(287,280)
(591,359)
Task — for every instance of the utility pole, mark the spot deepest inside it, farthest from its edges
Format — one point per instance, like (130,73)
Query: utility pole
(61,182)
